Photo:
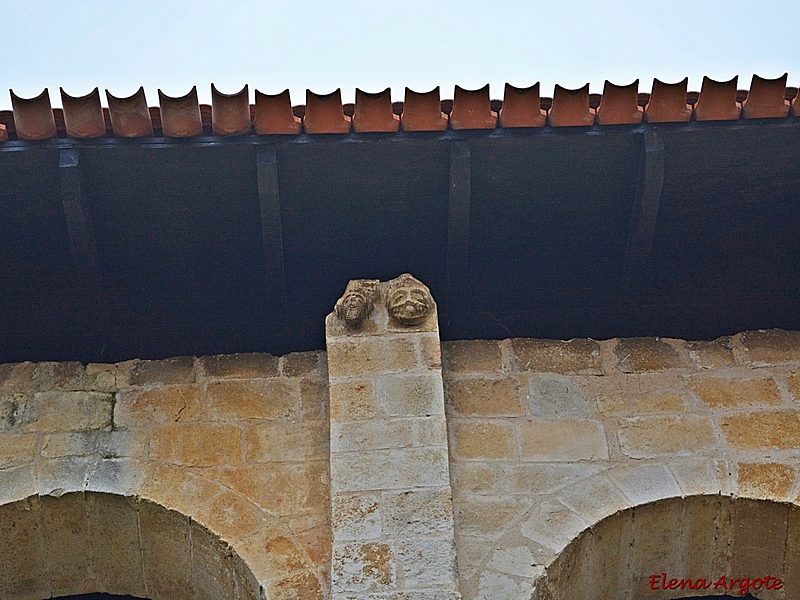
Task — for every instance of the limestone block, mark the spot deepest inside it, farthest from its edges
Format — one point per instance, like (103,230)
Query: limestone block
(478,396)
(244,399)
(768,481)
(367,356)
(430,350)
(793,383)
(56,411)
(66,531)
(196,445)
(176,488)
(314,400)
(60,476)
(624,403)
(552,524)
(116,476)
(698,476)
(375,434)
(393,469)
(417,394)
(556,397)
(364,567)
(17,483)
(487,439)
(474,477)
(573,357)
(316,543)
(155,406)
(166,552)
(356,517)
(57,375)
(645,483)
(769,430)
(16,377)
(649,437)
(302,364)
(230,516)
(488,516)
(565,440)
(280,441)
(470,356)
(301,586)
(272,554)
(16,449)
(770,347)
(122,443)
(353,399)
(518,561)
(541,478)
(171,370)
(60,445)
(639,355)
(593,498)
(427,562)
(23,552)
(99,377)
(712,355)
(426,512)
(212,569)
(735,393)
(239,366)
(498,585)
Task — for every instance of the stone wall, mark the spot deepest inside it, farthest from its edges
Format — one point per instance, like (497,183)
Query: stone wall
(546,440)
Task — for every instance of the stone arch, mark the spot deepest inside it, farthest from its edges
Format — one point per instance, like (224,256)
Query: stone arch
(87,542)
(703,537)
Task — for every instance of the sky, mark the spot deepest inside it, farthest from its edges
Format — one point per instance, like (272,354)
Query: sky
(173,45)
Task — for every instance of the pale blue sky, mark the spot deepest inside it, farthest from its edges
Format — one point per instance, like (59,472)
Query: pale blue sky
(172,45)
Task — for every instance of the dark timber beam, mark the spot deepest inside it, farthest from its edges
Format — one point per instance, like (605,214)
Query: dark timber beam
(271,230)
(644,219)
(458,223)
(79,227)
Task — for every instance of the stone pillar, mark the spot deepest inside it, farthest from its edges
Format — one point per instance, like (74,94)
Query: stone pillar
(392,514)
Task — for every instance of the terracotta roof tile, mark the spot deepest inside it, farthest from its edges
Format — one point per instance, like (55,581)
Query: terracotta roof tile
(230,113)
(667,103)
(570,108)
(325,114)
(3,133)
(373,112)
(34,119)
(472,109)
(273,114)
(717,101)
(767,98)
(83,115)
(130,117)
(522,107)
(423,111)
(620,105)
(180,117)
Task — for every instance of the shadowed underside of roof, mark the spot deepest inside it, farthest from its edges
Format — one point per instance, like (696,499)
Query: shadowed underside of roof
(84,117)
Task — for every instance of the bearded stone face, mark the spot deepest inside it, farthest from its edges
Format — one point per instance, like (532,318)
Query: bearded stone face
(353,308)
(409,305)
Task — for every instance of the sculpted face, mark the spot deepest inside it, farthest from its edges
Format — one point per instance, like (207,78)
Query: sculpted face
(354,308)
(410,305)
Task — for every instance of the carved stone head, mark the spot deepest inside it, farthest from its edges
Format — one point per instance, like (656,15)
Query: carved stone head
(356,305)
(408,300)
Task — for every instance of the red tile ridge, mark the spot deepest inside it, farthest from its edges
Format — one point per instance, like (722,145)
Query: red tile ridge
(34,119)
(3,133)
(180,117)
(230,113)
(130,117)
(570,108)
(373,112)
(83,115)
(619,105)
(325,114)
(668,102)
(717,101)
(422,111)
(766,98)
(273,114)
(522,107)
(472,109)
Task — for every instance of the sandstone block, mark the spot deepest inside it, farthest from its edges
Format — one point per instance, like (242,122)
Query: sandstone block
(469,356)
(417,512)
(301,364)
(712,355)
(60,476)
(552,524)
(25,572)
(57,411)
(156,406)
(419,394)
(166,552)
(698,476)
(100,377)
(488,516)
(625,403)
(556,397)
(770,347)
(356,517)
(243,399)
(116,476)
(573,357)
(16,449)
(122,443)
(66,530)
(363,567)
(477,478)
(593,498)
(314,400)
(562,441)
(516,561)
(649,437)
(170,370)
(645,483)
(793,383)
(17,483)
(498,585)
(59,375)
(273,554)
(196,445)
(16,377)
(301,586)
(176,488)
(768,481)
(239,366)
(430,349)
(368,356)
(230,516)
(639,355)
(59,445)
(287,441)
(398,468)
(353,399)
(734,393)
(541,478)
(376,434)
(427,562)
(762,430)
(488,439)
(484,397)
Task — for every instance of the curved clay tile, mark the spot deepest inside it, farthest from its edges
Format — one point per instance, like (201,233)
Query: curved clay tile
(767,98)
(472,109)
(717,101)
(373,112)
(83,115)
(3,133)
(325,114)
(795,110)
(230,113)
(423,112)
(33,117)
(130,117)
(180,117)
(571,108)
(667,103)
(274,114)
(620,105)
(522,107)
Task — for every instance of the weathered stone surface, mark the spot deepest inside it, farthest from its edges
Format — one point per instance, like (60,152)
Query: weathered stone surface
(666,401)
(712,355)
(484,397)
(770,347)
(57,477)
(364,567)
(301,364)
(239,366)
(56,411)
(565,440)
(473,477)
(243,399)
(57,375)
(488,515)
(231,516)
(645,483)
(417,512)
(196,445)
(573,357)
(356,517)
(770,430)
(552,524)
(301,586)
(368,356)
(287,441)
(376,434)
(212,575)
(649,437)
(793,383)
(23,555)
(16,449)
(517,561)
(353,399)
(314,400)
(59,445)
(66,532)
(639,355)
(484,439)
(389,469)
(427,562)
(417,394)
(541,478)
(100,377)
(171,370)
(697,476)
(155,406)
(556,397)
(770,481)
(16,377)
(175,488)
(734,393)
(166,552)
(17,483)
(469,356)
(593,498)
(116,476)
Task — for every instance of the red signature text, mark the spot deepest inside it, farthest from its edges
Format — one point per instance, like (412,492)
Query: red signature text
(660,581)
